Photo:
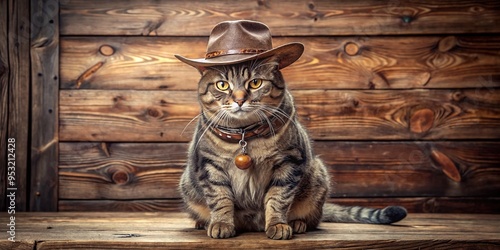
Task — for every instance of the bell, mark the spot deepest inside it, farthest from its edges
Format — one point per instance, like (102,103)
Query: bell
(243,161)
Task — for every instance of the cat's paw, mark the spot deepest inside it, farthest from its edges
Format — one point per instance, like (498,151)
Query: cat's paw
(221,230)
(279,232)
(298,226)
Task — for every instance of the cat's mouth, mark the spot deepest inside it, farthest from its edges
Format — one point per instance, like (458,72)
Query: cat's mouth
(240,110)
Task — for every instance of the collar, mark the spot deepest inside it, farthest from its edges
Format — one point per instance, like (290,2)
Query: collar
(259,129)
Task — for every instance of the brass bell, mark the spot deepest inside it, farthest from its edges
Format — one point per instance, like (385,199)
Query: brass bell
(243,161)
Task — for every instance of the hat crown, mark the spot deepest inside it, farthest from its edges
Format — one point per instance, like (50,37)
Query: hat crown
(234,42)
(238,37)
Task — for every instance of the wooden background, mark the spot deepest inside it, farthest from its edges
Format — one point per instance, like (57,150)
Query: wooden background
(402,99)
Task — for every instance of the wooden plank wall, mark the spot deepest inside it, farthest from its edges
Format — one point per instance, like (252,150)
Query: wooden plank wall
(402,98)
(45,111)
(14,99)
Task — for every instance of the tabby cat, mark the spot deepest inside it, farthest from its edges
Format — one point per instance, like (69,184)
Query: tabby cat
(246,109)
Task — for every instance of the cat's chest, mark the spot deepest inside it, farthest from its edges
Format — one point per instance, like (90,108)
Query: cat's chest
(249,186)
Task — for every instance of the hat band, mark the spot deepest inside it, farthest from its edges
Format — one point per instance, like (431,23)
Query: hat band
(218,53)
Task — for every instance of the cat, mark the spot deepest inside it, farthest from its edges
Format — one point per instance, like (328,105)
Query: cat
(247,109)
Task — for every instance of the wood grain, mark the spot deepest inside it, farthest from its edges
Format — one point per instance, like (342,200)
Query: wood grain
(476,205)
(14,93)
(379,63)
(4,89)
(381,115)
(45,87)
(96,115)
(303,18)
(164,205)
(358,169)
(176,231)
(132,171)
(88,115)
(402,99)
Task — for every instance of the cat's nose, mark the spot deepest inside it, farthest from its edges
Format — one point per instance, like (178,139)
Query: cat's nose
(239,97)
(240,102)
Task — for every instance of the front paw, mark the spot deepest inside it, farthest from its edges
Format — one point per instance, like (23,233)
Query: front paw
(221,230)
(298,226)
(279,232)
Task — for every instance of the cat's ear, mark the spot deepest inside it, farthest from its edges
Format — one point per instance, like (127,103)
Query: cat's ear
(272,60)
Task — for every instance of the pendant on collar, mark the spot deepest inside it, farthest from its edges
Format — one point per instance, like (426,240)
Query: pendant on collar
(243,160)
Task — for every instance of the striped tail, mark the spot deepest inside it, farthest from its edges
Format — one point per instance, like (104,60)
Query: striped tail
(338,213)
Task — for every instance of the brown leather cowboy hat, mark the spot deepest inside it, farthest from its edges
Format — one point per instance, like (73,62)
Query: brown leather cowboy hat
(234,42)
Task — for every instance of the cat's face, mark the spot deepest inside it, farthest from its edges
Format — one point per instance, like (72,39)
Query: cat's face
(241,94)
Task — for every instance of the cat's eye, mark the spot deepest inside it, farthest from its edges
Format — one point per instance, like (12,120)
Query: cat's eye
(255,83)
(222,85)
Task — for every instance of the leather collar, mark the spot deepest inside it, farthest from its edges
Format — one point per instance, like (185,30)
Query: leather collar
(260,129)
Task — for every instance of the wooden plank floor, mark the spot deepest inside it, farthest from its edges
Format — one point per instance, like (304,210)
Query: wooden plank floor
(175,231)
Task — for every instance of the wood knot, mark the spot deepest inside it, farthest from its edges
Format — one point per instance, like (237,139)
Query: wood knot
(406,19)
(458,96)
(351,49)
(447,166)
(106,50)
(476,9)
(447,43)
(120,177)
(88,73)
(355,103)
(311,6)
(119,98)
(264,3)
(153,112)
(422,120)
(377,80)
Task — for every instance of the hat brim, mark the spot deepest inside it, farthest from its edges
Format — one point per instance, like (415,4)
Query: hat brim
(286,54)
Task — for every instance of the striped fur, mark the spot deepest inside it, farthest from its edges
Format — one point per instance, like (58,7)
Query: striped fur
(284,192)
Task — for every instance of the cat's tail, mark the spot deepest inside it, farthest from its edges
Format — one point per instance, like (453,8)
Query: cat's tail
(339,213)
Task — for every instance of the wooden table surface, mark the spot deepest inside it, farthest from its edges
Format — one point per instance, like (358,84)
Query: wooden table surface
(176,231)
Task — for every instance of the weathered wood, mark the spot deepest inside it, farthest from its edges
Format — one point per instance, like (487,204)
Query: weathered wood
(4,88)
(358,169)
(320,17)
(132,171)
(18,245)
(95,115)
(14,93)
(165,205)
(126,115)
(379,62)
(436,71)
(176,231)
(486,205)
(45,95)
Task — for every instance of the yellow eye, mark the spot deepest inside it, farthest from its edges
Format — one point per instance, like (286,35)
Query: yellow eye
(255,83)
(222,85)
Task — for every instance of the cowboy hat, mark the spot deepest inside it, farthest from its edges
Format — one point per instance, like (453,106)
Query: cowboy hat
(234,42)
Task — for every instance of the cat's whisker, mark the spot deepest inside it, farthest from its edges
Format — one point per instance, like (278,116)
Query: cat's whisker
(213,119)
(279,114)
(273,133)
(189,123)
